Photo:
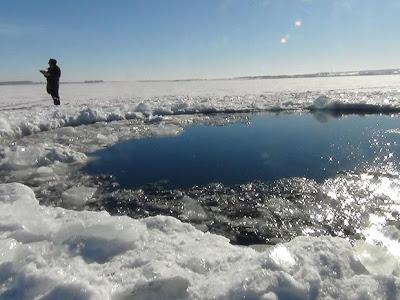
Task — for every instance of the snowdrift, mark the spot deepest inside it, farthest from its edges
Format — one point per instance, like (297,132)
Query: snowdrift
(54,253)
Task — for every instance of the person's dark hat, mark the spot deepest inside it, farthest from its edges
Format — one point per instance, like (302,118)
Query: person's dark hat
(52,61)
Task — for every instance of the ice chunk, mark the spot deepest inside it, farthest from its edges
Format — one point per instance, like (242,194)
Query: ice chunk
(77,196)
(325,103)
(22,157)
(168,289)
(165,130)
(192,210)
(96,249)
(281,256)
(5,127)
(64,154)
(322,102)
(44,171)
(142,107)
(72,291)
(88,116)
(269,296)
(16,192)
(377,260)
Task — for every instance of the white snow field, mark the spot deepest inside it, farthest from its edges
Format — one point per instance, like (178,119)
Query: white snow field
(26,109)
(54,252)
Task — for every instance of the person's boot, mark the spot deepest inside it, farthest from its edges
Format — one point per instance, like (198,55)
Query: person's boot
(56,101)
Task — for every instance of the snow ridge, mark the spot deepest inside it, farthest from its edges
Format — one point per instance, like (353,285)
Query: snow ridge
(18,123)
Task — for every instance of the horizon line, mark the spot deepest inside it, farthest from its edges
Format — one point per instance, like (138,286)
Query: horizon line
(389,71)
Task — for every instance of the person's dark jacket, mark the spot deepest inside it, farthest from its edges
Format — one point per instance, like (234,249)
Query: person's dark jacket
(54,74)
(53,79)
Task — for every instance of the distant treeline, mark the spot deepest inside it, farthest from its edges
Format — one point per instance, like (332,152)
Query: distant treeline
(327,74)
(25,82)
(17,82)
(320,74)
(93,81)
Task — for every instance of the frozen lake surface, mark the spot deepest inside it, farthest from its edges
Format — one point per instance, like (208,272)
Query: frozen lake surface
(321,234)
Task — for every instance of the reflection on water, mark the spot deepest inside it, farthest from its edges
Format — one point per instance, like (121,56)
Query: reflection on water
(351,165)
(268,147)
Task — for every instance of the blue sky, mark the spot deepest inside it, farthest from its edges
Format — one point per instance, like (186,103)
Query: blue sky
(173,39)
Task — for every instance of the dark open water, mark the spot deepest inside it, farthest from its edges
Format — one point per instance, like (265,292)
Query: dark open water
(266,180)
(267,148)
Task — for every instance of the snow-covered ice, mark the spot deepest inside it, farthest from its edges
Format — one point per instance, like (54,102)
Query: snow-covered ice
(25,109)
(53,252)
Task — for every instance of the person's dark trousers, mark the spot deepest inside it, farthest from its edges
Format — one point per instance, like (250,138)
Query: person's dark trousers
(52,89)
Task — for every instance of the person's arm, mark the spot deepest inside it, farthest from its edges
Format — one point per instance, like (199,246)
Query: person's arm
(45,73)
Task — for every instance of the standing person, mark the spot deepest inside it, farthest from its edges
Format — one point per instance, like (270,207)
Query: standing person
(52,75)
